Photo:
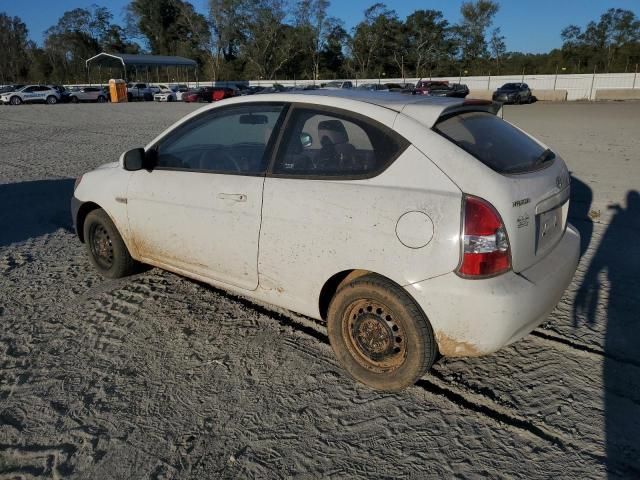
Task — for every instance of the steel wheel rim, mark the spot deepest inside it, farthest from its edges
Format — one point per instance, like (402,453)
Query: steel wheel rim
(101,246)
(375,338)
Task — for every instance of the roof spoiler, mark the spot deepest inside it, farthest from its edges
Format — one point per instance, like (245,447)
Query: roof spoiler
(471,105)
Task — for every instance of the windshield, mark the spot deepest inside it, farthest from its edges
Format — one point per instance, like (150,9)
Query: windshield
(496,143)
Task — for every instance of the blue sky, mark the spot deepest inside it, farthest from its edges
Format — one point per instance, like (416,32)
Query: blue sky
(529,26)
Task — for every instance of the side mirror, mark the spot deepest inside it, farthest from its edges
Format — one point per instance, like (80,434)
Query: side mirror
(306,140)
(133,160)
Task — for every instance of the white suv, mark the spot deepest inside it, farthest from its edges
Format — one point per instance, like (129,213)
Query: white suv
(412,225)
(31,94)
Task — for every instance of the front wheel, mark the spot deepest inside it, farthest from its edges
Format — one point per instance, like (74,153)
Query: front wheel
(107,251)
(15,101)
(379,334)
(51,100)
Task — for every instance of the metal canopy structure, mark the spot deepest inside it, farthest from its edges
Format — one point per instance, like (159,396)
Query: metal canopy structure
(134,65)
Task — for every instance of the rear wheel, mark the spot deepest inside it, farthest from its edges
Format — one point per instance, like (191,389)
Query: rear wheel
(379,334)
(101,99)
(107,251)
(74,99)
(51,100)
(15,101)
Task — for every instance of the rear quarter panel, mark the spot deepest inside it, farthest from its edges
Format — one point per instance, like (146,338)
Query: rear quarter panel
(475,178)
(313,229)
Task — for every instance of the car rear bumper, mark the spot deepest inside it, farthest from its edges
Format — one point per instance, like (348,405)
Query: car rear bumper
(478,317)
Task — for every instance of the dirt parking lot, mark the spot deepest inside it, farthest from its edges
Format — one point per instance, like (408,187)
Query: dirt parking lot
(156,376)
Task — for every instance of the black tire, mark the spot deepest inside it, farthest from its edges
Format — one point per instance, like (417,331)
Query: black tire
(129,97)
(105,246)
(15,100)
(102,99)
(74,99)
(169,98)
(379,334)
(51,100)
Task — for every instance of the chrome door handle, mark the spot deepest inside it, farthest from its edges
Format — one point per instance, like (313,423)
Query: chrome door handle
(236,197)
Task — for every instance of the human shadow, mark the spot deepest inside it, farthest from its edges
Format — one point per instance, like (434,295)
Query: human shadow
(32,209)
(579,208)
(618,257)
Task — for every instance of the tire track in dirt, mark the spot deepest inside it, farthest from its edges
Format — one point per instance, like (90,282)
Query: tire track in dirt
(560,341)
(435,384)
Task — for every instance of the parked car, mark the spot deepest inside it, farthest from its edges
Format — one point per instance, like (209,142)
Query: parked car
(243,89)
(65,94)
(31,94)
(200,94)
(338,84)
(456,90)
(400,87)
(208,94)
(410,225)
(373,87)
(424,87)
(10,88)
(88,94)
(169,93)
(513,93)
(220,93)
(141,91)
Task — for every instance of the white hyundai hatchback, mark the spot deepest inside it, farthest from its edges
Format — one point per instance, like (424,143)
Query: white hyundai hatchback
(413,226)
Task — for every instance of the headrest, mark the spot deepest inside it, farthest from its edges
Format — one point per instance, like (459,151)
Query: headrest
(334,130)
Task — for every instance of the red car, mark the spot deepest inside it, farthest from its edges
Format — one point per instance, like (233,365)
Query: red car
(424,87)
(208,94)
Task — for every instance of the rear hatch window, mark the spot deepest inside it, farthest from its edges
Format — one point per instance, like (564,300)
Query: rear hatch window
(494,142)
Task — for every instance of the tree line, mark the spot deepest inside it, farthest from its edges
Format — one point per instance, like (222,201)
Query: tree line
(298,39)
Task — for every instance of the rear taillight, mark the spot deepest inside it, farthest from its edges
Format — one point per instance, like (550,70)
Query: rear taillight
(485,250)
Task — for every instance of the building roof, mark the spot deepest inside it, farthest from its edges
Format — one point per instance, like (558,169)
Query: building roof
(126,59)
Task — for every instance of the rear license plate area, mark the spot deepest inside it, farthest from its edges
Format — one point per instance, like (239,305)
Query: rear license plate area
(549,228)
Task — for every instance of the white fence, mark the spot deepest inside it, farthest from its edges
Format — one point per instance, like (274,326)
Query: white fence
(578,86)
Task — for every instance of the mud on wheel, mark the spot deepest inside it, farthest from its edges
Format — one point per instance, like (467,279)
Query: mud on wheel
(107,251)
(379,334)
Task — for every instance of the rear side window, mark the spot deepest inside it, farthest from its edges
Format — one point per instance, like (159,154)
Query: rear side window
(494,142)
(329,143)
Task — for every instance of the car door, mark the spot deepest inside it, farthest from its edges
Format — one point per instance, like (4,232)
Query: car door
(30,94)
(199,209)
(90,93)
